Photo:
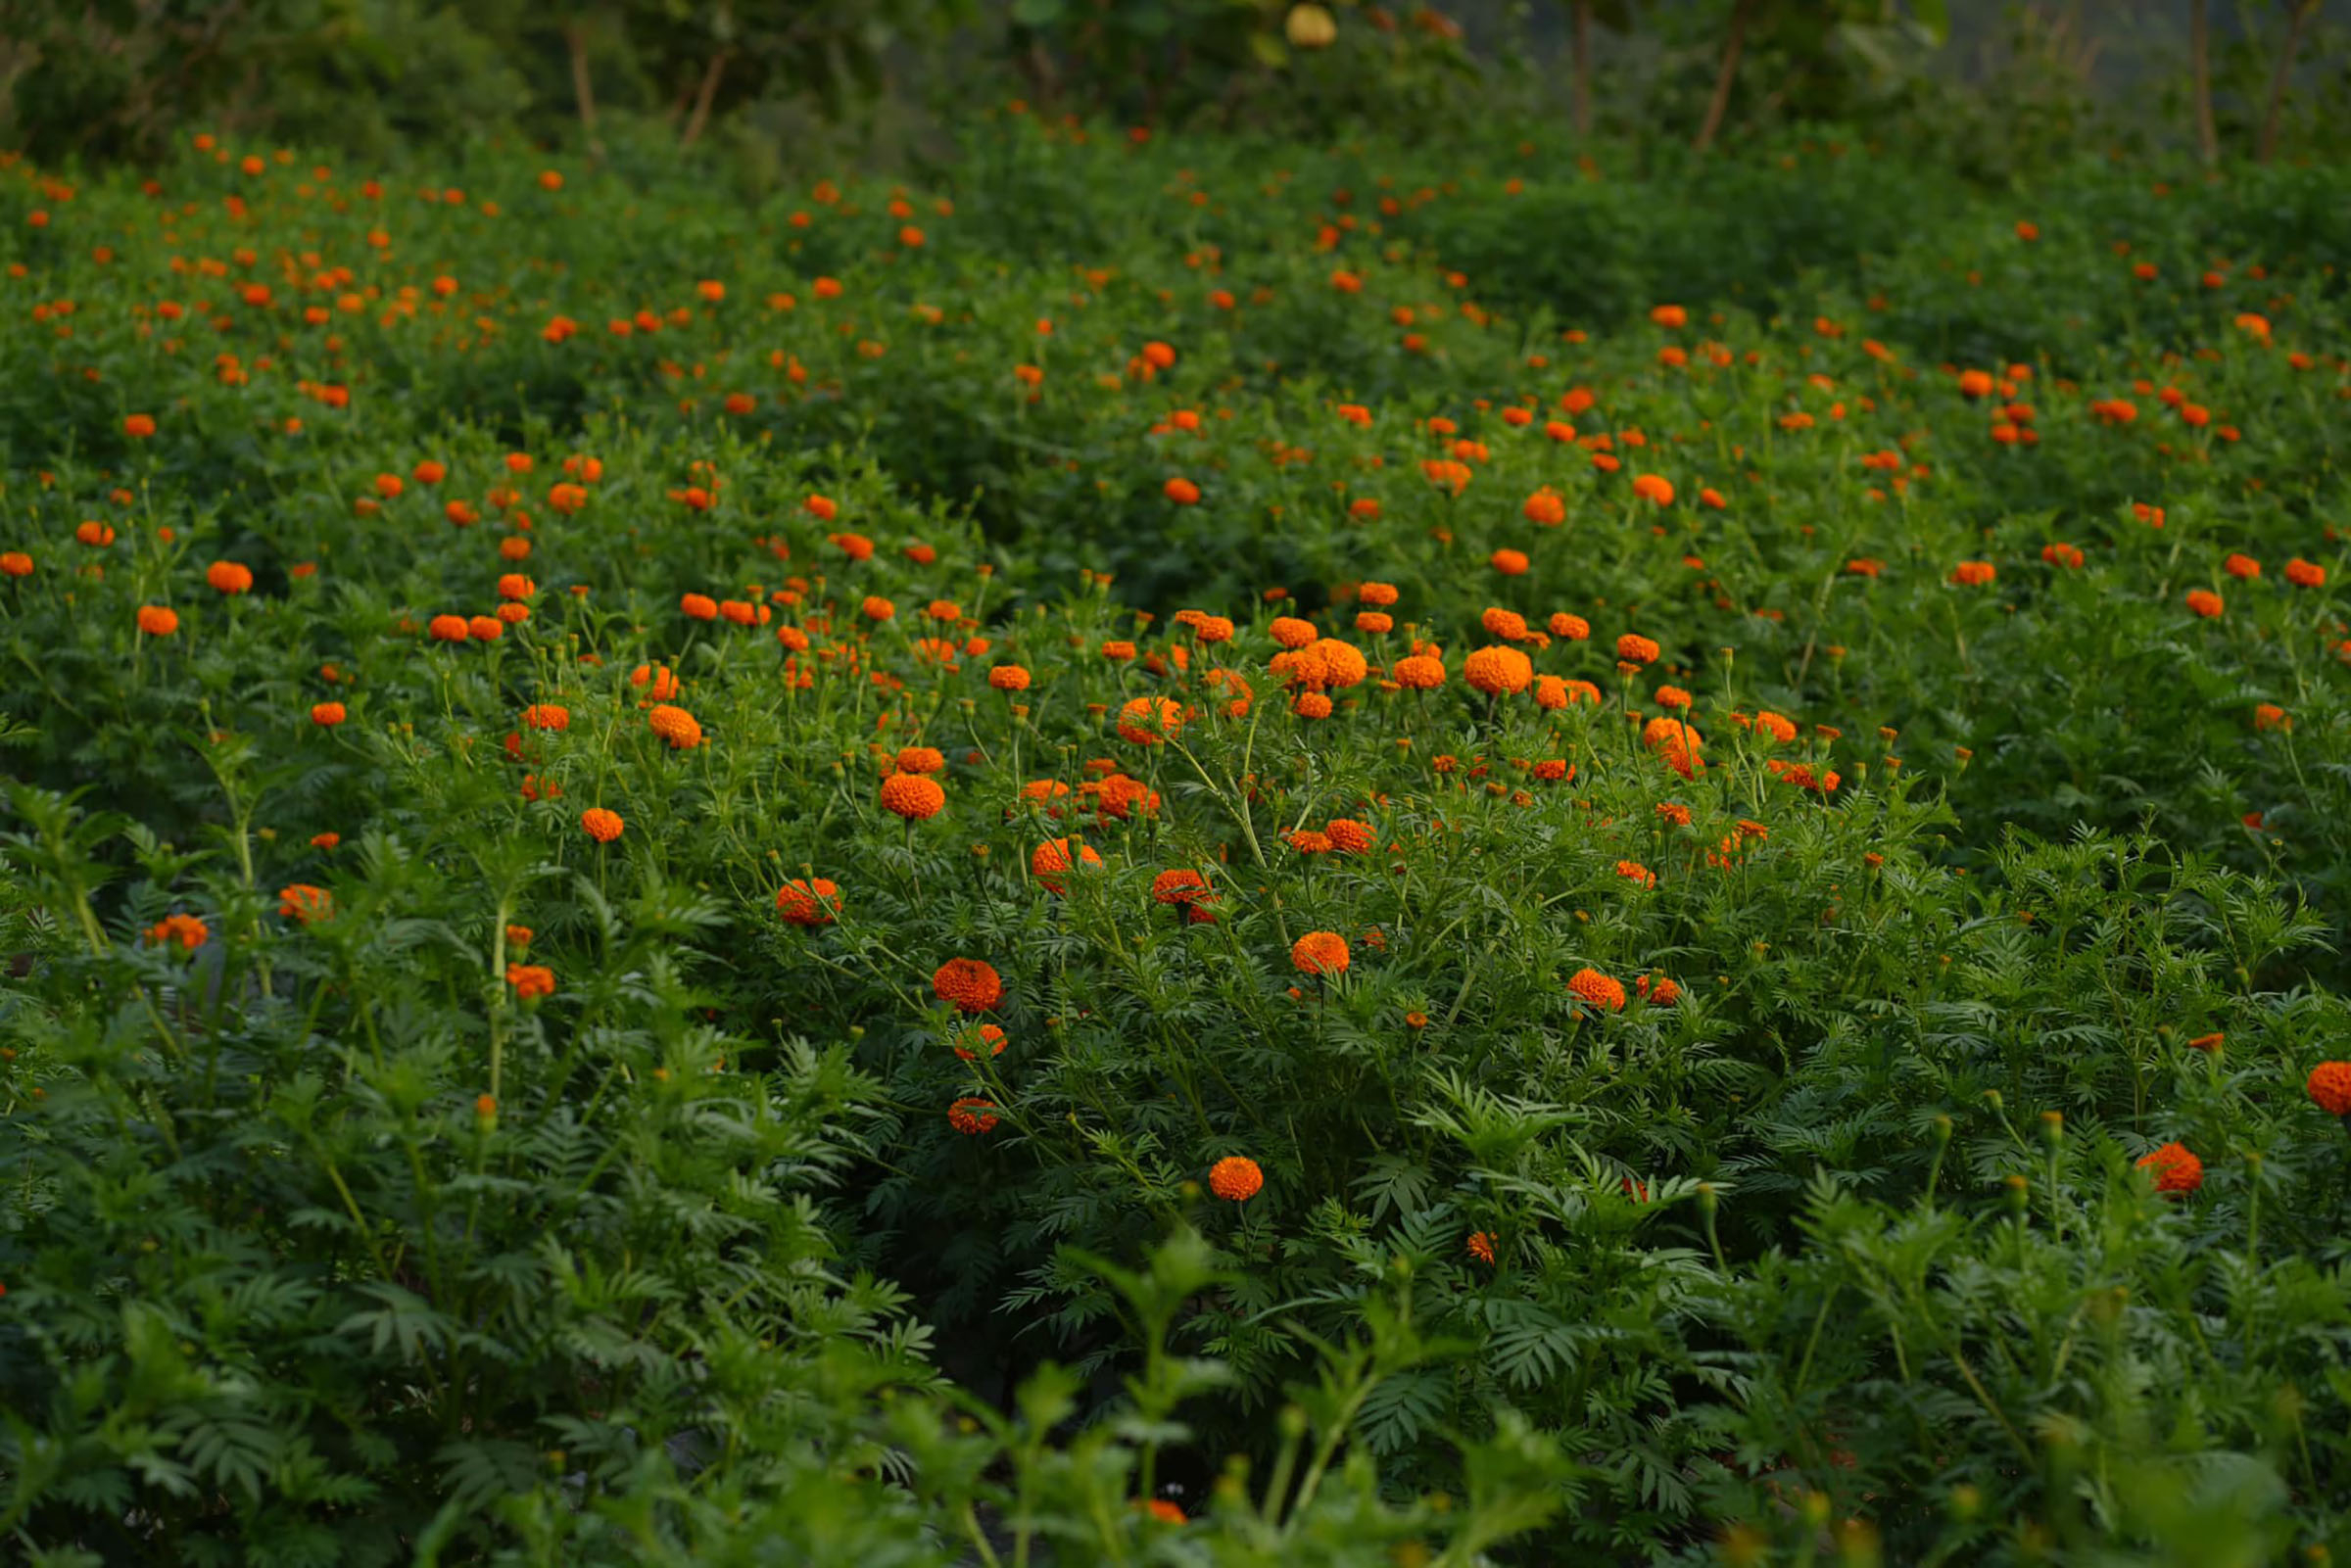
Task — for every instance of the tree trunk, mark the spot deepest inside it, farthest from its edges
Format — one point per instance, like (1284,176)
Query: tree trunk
(1583,68)
(583,92)
(2199,55)
(2281,76)
(1721,102)
(703,98)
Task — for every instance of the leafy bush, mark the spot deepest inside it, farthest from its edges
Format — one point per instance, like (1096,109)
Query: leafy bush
(801,883)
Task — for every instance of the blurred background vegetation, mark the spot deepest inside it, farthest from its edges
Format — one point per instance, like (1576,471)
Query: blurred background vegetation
(766,88)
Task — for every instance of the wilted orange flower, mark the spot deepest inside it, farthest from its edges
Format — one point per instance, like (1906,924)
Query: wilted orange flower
(601,824)
(968,984)
(1320,953)
(810,902)
(1481,1242)
(1235,1178)
(912,796)
(1592,986)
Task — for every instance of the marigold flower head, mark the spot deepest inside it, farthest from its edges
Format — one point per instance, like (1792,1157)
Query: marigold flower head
(1590,985)
(2243,567)
(1147,721)
(1481,1247)
(447,629)
(1008,678)
(1508,562)
(1182,492)
(809,901)
(1634,649)
(1057,855)
(1291,631)
(2330,1087)
(1655,489)
(1320,953)
(1235,1178)
(1499,671)
(968,984)
(913,797)
(157,620)
(1417,672)
(676,725)
(1311,705)
(2305,574)
(1180,887)
(2175,1170)
(1349,837)
(1657,990)
(986,1035)
(187,931)
(228,577)
(971,1115)
(305,903)
(1377,594)
(531,980)
(547,716)
(920,759)
(326,715)
(1973,574)
(2205,602)
(698,606)
(601,824)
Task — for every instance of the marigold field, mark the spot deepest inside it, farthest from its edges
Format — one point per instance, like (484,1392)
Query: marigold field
(1179,851)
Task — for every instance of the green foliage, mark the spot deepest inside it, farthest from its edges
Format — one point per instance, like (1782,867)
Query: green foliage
(1712,1149)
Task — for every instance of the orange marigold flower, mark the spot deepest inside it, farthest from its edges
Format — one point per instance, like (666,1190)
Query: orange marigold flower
(305,903)
(2330,1087)
(1320,953)
(1632,870)
(698,606)
(1182,492)
(1147,721)
(1055,855)
(1008,678)
(1633,648)
(968,984)
(1508,562)
(2175,1170)
(601,824)
(1179,888)
(1311,705)
(326,715)
(2269,716)
(547,716)
(986,1035)
(1653,488)
(187,931)
(228,577)
(1350,836)
(1570,628)
(2243,567)
(157,620)
(139,426)
(813,901)
(1378,594)
(971,1115)
(1657,991)
(1973,574)
(2305,574)
(1291,631)
(1418,672)
(2205,602)
(920,759)
(1499,671)
(676,725)
(16,563)
(447,629)
(531,980)
(913,797)
(1592,986)
(1777,726)
(1235,1178)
